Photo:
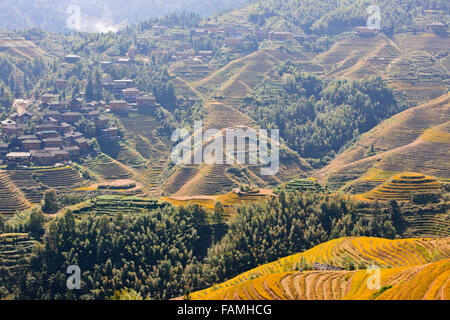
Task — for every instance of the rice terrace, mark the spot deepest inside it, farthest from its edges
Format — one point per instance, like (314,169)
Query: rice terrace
(224,150)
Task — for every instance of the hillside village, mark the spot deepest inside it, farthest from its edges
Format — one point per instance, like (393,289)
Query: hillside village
(48,135)
(86,174)
(54,139)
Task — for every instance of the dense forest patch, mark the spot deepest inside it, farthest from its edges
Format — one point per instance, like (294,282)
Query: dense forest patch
(317,118)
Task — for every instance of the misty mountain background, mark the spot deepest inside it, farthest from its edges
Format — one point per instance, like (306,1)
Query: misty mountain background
(99,15)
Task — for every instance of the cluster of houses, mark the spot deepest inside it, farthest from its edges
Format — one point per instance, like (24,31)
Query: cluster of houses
(53,139)
(233,36)
(73,58)
(438,25)
(435,27)
(202,56)
(129,97)
(261,35)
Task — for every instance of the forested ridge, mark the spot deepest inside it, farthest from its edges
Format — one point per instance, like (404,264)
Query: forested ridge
(168,252)
(18,76)
(334,16)
(53,14)
(316,117)
(126,250)
(322,17)
(153,253)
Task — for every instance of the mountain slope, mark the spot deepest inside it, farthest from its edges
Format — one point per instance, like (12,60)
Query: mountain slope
(402,187)
(423,282)
(413,64)
(332,16)
(415,140)
(54,14)
(357,56)
(21,47)
(280,280)
(223,94)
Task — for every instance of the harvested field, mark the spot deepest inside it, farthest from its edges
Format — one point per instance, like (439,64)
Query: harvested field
(401,187)
(409,261)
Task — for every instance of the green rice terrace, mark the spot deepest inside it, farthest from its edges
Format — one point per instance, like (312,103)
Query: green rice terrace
(63,177)
(22,188)
(429,224)
(301,185)
(402,186)
(112,204)
(107,167)
(12,199)
(15,248)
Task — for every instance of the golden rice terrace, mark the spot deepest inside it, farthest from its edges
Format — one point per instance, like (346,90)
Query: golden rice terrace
(402,186)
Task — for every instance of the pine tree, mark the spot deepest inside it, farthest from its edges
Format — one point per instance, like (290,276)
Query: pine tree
(50,202)
(98,85)
(36,224)
(2,223)
(218,213)
(89,94)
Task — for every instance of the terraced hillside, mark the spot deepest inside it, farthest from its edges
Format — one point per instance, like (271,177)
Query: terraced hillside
(418,137)
(21,47)
(152,149)
(107,168)
(22,188)
(428,224)
(423,282)
(127,155)
(218,178)
(125,187)
(399,259)
(62,177)
(414,64)
(12,199)
(229,200)
(182,176)
(241,84)
(220,116)
(112,204)
(402,187)
(232,83)
(357,57)
(218,80)
(428,42)
(415,140)
(191,72)
(280,53)
(30,187)
(419,75)
(15,248)
(184,89)
(210,180)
